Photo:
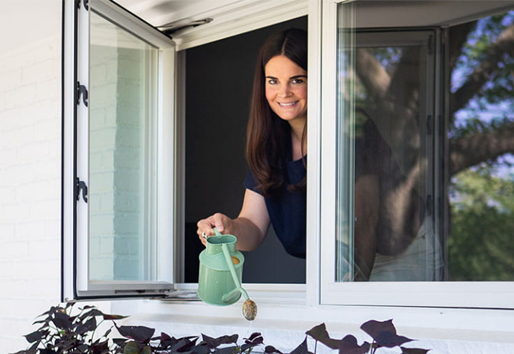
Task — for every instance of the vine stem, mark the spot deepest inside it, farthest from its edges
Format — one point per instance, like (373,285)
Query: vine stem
(373,348)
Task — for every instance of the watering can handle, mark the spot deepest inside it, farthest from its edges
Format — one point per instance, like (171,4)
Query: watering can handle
(230,265)
(228,259)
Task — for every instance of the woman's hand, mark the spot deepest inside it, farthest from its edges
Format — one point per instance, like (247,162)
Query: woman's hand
(220,221)
(250,227)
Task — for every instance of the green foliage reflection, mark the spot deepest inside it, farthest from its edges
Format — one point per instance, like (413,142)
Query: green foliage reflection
(481,243)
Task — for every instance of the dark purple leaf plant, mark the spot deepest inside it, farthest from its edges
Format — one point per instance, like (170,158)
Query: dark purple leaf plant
(383,335)
(66,330)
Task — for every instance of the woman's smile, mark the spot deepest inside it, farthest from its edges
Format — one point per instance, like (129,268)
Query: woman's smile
(287,104)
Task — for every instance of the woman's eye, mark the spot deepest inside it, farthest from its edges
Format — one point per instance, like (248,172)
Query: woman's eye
(298,81)
(272,81)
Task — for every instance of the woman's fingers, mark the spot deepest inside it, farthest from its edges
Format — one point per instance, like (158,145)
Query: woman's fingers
(203,238)
(206,226)
(219,221)
(204,230)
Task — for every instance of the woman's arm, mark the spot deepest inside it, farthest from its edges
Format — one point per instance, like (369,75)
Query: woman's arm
(250,227)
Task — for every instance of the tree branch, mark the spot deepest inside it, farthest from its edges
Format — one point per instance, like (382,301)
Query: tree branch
(482,74)
(371,73)
(405,84)
(457,37)
(472,149)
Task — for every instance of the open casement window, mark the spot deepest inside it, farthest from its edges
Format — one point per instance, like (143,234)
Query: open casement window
(124,138)
(118,153)
(406,197)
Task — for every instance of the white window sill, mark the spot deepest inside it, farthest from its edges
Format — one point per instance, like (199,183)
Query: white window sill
(284,321)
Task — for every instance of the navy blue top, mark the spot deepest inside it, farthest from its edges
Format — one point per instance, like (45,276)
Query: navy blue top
(287,210)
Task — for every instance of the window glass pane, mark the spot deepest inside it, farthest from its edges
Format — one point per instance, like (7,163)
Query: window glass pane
(481,143)
(385,216)
(122,190)
(415,203)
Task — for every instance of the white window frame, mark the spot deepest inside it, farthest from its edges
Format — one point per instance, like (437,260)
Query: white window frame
(404,294)
(319,289)
(75,213)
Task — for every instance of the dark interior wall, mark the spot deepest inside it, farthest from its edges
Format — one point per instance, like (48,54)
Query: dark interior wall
(219,79)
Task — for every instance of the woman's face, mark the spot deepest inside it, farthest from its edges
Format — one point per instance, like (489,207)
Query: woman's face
(286,88)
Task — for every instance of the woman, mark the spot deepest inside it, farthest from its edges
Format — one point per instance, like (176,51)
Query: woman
(275,150)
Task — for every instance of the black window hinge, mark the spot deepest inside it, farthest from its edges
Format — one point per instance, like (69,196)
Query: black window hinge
(82,91)
(86,4)
(80,186)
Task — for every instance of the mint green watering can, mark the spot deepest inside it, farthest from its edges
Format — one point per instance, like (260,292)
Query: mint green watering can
(221,271)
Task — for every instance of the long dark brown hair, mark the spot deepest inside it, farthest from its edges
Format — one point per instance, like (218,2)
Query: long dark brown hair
(266,132)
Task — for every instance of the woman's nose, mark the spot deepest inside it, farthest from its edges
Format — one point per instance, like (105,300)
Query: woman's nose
(284,91)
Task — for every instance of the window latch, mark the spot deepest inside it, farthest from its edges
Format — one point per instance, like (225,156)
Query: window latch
(82,91)
(80,186)
(86,4)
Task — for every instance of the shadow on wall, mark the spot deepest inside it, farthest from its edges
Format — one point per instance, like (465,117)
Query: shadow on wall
(219,79)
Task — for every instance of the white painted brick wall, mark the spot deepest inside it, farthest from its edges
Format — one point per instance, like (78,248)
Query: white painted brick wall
(30,178)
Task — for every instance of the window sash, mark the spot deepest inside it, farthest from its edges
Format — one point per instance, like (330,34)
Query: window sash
(76,253)
(437,294)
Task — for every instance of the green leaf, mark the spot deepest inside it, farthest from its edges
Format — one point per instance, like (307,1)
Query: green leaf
(131,348)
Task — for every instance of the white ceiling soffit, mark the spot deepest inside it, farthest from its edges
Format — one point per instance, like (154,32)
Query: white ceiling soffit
(224,17)
(419,13)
